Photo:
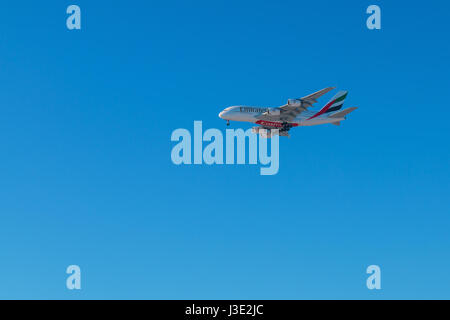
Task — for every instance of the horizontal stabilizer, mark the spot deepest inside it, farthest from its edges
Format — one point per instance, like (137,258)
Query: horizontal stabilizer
(343,113)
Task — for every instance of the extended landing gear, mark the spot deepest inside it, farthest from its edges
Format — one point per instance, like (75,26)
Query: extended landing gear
(228,122)
(284,131)
(285,126)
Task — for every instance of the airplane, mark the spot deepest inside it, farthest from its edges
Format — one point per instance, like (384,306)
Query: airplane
(293,114)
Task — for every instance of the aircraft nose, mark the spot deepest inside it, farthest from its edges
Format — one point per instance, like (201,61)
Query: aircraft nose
(221,114)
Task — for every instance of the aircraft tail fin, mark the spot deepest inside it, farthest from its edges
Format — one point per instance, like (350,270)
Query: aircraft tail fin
(334,104)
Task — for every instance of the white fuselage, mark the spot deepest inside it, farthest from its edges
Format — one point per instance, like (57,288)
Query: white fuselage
(252,114)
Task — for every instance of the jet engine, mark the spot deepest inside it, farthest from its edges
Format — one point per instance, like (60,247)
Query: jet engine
(261,131)
(267,133)
(273,112)
(294,102)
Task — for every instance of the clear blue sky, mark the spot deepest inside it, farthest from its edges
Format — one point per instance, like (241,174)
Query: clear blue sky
(86,176)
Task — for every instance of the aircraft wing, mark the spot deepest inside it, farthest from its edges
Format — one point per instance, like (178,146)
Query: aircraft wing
(312,98)
(290,110)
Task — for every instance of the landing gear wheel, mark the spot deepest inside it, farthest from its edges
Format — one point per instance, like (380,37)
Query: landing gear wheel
(285,127)
(228,122)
